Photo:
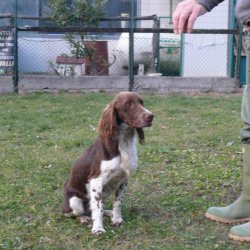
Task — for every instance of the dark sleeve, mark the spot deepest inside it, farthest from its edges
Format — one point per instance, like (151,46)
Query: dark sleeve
(209,4)
(242,11)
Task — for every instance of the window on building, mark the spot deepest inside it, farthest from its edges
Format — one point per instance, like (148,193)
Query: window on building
(41,8)
(116,8)
(25,8)
(6,7)
(113,8)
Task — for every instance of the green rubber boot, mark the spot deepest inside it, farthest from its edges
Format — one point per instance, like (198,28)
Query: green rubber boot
(240,233)
(239,211)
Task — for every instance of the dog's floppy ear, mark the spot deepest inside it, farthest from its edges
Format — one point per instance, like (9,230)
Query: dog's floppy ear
(108,126)
(141,137)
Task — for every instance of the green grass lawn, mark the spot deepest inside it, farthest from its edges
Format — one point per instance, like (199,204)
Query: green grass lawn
(191,160)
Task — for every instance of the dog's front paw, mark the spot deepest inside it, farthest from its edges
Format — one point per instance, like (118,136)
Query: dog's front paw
(98,231)
(117,221)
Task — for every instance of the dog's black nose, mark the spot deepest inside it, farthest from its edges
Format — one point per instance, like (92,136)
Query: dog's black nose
(149,117)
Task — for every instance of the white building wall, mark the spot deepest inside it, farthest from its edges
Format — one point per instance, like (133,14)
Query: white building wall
(203,55)
(207,55)
(159,7)
(37,54)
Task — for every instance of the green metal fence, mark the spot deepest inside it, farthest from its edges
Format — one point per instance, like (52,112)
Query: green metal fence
(135,45)
(169,55)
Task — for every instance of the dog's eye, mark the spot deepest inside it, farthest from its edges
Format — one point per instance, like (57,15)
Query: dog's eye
(141,102)
(129,104)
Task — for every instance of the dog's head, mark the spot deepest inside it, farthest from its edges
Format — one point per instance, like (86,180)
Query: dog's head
(126,108)
(130,110)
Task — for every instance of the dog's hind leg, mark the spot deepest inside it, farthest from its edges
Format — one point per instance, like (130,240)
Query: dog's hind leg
(65,208)
(76,205)
(73,207)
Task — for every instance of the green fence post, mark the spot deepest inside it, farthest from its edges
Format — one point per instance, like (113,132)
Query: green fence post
(181,55)
(15,76)
(231,39)
(238,57)
(131,48)
(157,68)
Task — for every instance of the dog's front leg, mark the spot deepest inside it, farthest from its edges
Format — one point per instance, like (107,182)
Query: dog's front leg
(96,205)
(116,216)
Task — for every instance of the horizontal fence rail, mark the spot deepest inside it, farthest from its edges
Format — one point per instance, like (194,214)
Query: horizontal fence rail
(126,30)
(111,30)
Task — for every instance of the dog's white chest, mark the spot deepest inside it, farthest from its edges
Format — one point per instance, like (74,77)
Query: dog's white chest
(112,176)
(114,172)
(128,156)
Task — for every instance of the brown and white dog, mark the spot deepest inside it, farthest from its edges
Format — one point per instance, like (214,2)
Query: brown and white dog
(105,167)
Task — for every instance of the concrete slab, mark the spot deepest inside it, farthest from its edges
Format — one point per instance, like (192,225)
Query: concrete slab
(143,84)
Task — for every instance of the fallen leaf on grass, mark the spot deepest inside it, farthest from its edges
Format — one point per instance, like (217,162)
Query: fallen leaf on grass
(164,127)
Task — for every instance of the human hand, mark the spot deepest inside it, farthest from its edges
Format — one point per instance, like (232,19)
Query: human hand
(185,15)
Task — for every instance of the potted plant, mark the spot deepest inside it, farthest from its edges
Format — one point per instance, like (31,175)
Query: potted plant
(83,13)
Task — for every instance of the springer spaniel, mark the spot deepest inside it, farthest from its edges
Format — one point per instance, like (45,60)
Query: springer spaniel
(105,167)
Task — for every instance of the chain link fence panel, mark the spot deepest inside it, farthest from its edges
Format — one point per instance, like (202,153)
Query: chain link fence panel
(163,54)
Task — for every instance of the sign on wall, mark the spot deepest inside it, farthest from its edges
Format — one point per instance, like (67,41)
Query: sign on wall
(6,51)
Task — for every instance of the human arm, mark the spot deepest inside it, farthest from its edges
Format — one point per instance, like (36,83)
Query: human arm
(209,4)
(187,12)
(242,11)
